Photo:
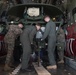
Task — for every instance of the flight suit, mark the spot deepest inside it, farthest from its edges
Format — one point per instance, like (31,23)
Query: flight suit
(50,32)
(9,39)
(26,39)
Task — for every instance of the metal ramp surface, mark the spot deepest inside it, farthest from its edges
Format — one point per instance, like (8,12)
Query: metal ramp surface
(62,69)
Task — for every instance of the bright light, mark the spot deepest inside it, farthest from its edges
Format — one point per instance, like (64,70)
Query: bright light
(54,18)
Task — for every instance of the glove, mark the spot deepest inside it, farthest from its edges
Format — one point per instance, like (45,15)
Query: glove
(32,45)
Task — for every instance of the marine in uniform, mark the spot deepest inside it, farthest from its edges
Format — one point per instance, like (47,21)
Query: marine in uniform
(61,45)
(13,32)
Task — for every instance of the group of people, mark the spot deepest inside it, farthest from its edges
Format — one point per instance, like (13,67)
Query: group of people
(26,39)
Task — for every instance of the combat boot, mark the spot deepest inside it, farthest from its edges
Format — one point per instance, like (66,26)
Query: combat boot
(7,68)
(52,67)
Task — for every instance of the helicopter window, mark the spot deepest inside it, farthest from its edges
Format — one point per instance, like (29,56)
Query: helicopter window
(33,11)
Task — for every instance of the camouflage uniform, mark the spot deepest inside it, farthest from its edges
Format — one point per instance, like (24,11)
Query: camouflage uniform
(9,39)
(61,43)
